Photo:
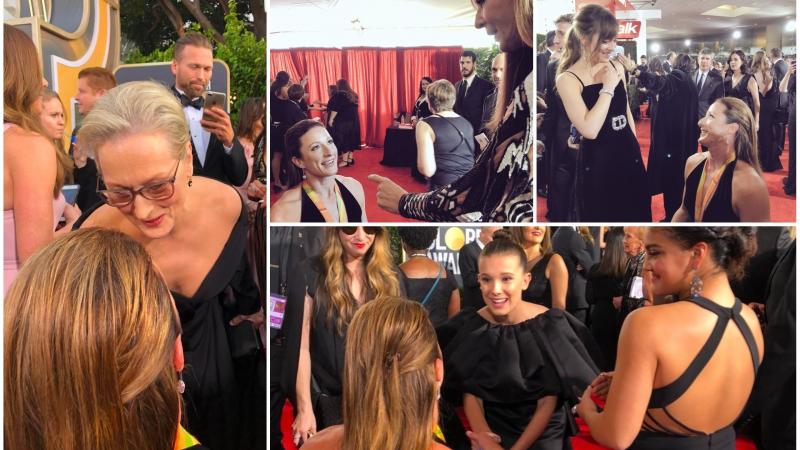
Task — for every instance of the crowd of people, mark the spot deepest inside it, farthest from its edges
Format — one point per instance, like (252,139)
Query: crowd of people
(548,326)
(715,127)
(474,140)
(162,275)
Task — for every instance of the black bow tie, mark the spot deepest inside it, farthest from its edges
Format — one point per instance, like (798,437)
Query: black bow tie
(197,103)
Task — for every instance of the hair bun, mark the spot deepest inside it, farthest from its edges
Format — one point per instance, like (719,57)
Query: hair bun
(503,234)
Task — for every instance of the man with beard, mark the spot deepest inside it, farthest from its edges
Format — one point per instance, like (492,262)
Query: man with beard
(471,91)
(216,152)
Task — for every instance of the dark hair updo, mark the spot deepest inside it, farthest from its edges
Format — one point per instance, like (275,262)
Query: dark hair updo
(418,238)
(731,247)
(504,243)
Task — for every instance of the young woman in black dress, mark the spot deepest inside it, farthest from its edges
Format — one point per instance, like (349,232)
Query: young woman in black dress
(421,109)
(604,282)
(685,367)
(344,122)
(549,277)
(316,193)
(768,98)
(741,84)
(612,183)
(503,360)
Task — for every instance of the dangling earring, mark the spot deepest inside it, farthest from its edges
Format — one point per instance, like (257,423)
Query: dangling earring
(181,384)
(696,287)
(190,182)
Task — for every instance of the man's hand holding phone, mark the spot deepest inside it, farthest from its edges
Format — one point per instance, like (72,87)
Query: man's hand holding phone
(216,120)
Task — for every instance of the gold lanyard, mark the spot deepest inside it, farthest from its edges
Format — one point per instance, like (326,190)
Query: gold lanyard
(321,207)
(702,196)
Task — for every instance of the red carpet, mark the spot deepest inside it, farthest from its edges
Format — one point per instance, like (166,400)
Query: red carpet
(583,441)
(368,161)
(781,206)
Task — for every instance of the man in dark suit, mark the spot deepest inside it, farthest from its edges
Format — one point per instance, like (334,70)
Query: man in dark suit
(709,83)
(568,243)
(543,58)
(471,91)
(93,83)
(498,67)
(669,61)
(216,151)
(779,69)
(468,265)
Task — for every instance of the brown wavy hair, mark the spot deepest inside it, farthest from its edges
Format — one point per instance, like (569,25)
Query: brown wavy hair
(89,335)
(381,280)
(64,161)
(745,144)
(22,87)
(517,234)
(389,385)
(591,20)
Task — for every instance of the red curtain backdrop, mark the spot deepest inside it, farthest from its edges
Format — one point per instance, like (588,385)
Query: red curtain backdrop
(415,63)
(386,80)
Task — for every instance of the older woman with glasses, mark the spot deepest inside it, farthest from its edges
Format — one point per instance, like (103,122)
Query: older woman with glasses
(194,228)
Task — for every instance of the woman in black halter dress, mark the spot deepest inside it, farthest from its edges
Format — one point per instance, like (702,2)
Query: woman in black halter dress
(611,181)
(682,392)
(316,193)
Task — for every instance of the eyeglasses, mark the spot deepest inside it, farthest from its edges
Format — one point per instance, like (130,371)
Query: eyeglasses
(352,230)
(157,190)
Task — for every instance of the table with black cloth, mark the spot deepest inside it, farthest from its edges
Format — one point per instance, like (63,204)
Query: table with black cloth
(400,150)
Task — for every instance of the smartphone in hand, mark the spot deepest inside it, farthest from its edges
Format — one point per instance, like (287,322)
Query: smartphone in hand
(213,99)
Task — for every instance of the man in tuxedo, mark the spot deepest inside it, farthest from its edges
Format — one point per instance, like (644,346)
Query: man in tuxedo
(669,61)
(779,69)
(93,83)
(471,91)
(216,151)
(568,243)
(553,46)
(468,263)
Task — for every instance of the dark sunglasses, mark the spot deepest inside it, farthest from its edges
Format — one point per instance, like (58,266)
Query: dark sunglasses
(157,190)
(352,230)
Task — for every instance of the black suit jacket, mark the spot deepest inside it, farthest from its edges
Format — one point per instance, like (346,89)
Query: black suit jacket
(711,91)
(86,178)
(573,248)
(541,67)
(219,165)
(471,106)
(778,72)
(468,263)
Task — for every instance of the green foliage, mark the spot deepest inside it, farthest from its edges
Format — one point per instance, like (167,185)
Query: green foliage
(245,55)
(395,245)
(484,61)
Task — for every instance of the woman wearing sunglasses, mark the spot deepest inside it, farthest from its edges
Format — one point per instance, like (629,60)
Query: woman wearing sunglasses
(316,193)
(355,267)
(194,228)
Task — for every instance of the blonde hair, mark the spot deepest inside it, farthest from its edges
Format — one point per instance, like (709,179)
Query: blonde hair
(761,64)
(22,87)
(745,144)
(389,384)
(132,108)
(441,96)
(89,334)
(523,15)
(380,280)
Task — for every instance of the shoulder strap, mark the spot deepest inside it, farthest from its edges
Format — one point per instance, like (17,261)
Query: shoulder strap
(463,138)
(579,78)
(433,287)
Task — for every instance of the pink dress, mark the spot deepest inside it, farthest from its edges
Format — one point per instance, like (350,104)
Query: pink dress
(248,154)
(10,261)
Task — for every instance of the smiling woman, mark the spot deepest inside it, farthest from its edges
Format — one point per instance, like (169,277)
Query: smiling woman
(316,193)
(194,228)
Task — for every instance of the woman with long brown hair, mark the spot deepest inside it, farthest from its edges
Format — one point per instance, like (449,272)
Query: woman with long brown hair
(33,170)
(768,98)
(725,184)
(740,83)
(354,268)
(251,124)
(391,381)
(549,277)
(105,368)
(683,392)
(604,282)
(612,183)
(498,187)
(344,122)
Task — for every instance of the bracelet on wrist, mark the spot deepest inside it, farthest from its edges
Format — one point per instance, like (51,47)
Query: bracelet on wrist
(607,91)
